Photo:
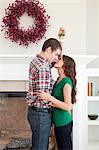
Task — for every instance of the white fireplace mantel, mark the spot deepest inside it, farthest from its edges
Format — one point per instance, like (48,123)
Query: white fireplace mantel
(15,67)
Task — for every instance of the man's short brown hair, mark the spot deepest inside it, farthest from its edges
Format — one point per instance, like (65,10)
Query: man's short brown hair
(53,43)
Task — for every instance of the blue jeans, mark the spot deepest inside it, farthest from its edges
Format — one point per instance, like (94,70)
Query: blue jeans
(40,123)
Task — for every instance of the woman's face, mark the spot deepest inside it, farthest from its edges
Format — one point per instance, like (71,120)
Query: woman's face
(59,64)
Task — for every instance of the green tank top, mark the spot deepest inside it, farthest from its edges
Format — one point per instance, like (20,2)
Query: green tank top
(61,117)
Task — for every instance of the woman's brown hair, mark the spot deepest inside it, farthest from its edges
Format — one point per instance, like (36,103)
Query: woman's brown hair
(70,71)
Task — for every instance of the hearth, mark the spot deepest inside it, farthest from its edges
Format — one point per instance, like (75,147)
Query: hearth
(19,143)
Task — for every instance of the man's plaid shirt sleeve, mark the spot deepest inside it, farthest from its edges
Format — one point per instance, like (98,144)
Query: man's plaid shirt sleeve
(43,80)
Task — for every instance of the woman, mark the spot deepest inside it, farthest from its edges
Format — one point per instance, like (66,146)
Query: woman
(62,100)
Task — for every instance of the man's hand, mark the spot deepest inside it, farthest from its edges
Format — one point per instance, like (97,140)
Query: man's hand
(29,102)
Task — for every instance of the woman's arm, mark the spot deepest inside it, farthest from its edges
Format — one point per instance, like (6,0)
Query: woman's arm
(66,105)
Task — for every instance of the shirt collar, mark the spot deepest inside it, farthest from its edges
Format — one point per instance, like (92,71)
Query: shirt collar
(43,60)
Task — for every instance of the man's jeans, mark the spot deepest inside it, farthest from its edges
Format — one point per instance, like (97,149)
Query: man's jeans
(40,123)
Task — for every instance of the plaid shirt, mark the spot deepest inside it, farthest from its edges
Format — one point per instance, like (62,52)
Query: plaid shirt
(40,78)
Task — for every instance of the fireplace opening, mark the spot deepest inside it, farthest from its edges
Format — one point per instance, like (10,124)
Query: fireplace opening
(14,127)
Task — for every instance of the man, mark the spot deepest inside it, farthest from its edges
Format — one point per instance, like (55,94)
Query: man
(40,78)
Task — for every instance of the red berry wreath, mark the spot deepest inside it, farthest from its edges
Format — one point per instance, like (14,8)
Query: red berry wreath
(11,22)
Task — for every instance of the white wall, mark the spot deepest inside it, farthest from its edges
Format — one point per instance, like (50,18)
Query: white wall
(80,18)
(94,63)
(98,24)
(93,31)
(92,27)
(71,14)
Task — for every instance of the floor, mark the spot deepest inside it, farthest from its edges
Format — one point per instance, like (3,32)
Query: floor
(93,145)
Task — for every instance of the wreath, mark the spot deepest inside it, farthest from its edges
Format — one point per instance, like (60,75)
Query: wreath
(11,22)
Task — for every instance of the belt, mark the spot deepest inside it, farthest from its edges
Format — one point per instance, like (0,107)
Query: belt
(37,109)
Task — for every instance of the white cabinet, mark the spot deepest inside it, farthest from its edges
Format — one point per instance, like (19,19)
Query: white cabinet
(93,108)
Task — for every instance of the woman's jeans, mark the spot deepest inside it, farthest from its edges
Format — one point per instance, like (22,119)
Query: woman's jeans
(40,123)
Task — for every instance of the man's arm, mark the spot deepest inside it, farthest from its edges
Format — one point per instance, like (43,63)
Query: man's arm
(43,80)
(30,98)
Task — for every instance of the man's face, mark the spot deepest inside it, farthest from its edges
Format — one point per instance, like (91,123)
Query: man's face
(59,64)
(54,56)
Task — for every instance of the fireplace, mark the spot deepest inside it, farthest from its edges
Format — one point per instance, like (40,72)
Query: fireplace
(15,131)
(13,111)
(13,115)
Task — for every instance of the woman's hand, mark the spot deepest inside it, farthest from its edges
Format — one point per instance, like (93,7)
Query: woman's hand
(53,105)
(44,95)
